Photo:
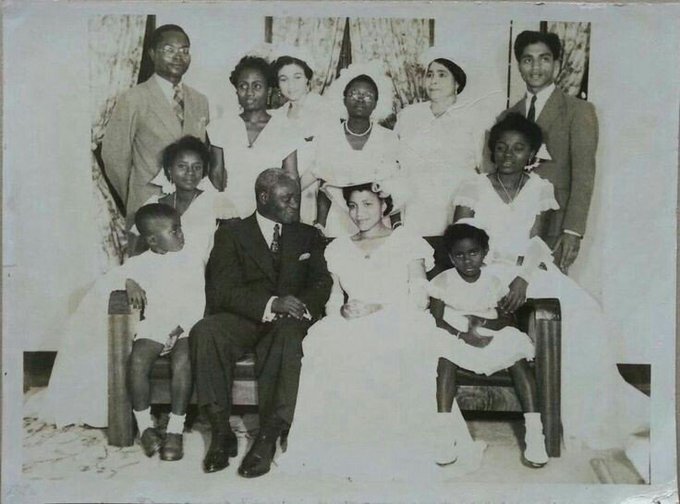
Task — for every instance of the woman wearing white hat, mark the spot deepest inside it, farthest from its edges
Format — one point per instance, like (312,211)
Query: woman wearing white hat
(440,143)
(353,149)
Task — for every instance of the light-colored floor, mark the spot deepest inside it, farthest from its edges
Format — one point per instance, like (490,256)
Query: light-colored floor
(82,454)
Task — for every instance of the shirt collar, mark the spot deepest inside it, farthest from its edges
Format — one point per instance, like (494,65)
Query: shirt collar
(541,98)
(267,227)
(167,87)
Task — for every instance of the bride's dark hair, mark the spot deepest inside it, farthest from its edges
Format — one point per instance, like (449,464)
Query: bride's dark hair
(347,192)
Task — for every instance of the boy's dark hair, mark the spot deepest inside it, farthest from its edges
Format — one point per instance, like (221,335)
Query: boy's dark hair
(187,143)
(253,62)
(347,192)
(289,60)
(520,124)
(457,232)
(529,37)
(158,34)
(148,214)
(362,78)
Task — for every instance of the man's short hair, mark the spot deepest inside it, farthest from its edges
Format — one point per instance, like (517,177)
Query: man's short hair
(529,37)
(270,178)
(158,34)
(148,215)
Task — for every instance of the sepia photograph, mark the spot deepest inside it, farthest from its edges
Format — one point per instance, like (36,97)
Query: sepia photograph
(339,252)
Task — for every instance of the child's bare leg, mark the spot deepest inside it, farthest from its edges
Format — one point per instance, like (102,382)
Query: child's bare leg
(535,454)
(525,385)
(446,384)
(144,354)
(181,385)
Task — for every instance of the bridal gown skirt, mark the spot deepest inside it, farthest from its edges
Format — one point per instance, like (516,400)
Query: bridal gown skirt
(366,405)
(599,408)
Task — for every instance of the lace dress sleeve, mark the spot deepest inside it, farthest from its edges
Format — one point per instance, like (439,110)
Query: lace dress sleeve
(468,193)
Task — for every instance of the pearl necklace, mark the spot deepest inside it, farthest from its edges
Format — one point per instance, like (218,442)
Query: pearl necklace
(519,183)
(368,130)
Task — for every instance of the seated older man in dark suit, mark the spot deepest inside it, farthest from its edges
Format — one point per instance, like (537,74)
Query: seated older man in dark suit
(266,283)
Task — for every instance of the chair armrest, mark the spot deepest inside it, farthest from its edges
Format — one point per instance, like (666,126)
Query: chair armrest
(122,319)
(541,320)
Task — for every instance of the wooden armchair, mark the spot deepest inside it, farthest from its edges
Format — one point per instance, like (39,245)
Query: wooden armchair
(540,318)
(122,321)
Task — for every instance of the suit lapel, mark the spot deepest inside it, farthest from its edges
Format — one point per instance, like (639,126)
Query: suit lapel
(551,110)
(289,252)
(256,246)
(162,109)
(520,107)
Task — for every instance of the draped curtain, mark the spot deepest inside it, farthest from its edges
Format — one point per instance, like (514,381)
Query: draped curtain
(115,50)
(398,43)
(321,37)
(575,38)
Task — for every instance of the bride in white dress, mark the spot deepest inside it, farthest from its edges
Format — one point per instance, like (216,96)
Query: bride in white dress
(599,408)
(366,406)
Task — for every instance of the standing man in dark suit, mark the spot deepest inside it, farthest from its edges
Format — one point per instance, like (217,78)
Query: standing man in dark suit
(570,133)
(266,283)
(150,116)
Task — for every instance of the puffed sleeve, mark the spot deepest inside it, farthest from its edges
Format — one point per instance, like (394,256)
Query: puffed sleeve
(439,285)
(416,248)
(333,255)
(468,193)
(546,196)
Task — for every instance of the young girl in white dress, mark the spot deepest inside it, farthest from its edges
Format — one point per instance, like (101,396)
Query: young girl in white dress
(465,303)
(366,406)
(599,408)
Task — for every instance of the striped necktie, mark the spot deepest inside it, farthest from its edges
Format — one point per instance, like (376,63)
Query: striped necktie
(178,103)
(275,247)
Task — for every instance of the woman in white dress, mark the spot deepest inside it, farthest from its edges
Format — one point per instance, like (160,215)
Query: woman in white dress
(354,149)
(185,186)
(304,113)
(599,408)
(83,344)
(366,406)
(253,140)
(440,143)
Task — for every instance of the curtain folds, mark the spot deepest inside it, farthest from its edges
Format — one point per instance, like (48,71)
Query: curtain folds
(115,50)
(321,37)
(575,38)
(398,43)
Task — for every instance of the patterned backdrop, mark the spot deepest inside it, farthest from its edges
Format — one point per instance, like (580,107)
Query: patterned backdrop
(115,45)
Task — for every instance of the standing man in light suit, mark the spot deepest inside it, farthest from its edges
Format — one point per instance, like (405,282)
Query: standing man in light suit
(570,133)
(151,116)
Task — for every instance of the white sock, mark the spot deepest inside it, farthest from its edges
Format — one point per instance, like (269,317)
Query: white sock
(533,423)
(143,419)
(175,424)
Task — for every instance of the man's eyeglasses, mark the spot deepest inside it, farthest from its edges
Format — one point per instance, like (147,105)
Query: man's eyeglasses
(361,96)
(172,50)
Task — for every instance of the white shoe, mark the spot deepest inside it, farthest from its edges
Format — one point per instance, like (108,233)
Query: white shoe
(534,455)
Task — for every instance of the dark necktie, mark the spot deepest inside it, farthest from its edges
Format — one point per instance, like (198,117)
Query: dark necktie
(531,115)
(178,103)
(275,247)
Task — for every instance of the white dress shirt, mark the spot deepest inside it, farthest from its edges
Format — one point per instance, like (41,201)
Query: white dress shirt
(267,229)
(541,98)
(167,87)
